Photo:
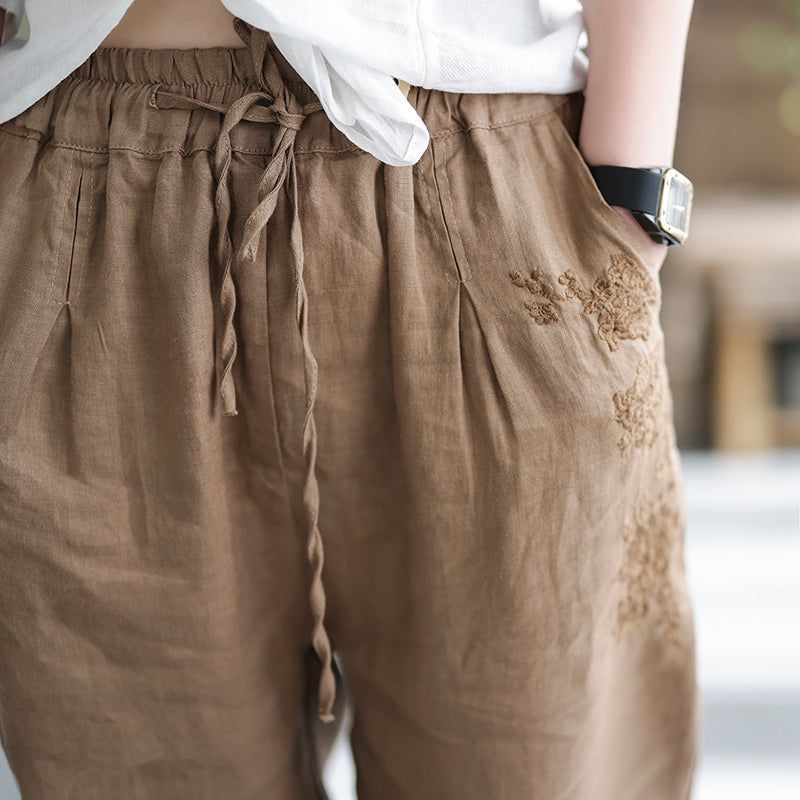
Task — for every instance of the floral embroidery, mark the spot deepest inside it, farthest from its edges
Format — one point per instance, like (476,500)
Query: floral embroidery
(543,310)
(653,534)
(651,537)
(640,409)
(622,300)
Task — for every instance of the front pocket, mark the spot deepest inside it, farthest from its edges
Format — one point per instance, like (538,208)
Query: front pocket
(540,256)
(444,193)
(43,211)
(566,125)
(72,232)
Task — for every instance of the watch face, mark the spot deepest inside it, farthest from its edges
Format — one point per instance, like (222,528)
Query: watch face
(675,205)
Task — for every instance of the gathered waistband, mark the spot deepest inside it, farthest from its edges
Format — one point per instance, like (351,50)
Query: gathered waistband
(197,67)
(117,84)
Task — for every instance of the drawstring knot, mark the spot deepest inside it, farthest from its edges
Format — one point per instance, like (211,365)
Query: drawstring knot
(272,104)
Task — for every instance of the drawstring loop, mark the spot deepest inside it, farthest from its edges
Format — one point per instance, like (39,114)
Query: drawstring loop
(273,104)
(262,107)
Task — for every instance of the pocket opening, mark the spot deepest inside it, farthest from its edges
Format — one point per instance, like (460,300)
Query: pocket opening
(36,295)
(446,208)
(567,126)
(76,216)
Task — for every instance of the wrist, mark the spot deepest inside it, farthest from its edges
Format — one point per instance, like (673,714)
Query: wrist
(601,140)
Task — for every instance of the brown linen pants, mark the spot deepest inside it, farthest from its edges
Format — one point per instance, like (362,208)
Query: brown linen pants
(229,337)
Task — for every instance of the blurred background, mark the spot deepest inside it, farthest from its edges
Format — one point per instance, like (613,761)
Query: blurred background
(731,316)
(731,313)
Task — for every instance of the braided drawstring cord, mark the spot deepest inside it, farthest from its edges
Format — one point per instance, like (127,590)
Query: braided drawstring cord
(273,104)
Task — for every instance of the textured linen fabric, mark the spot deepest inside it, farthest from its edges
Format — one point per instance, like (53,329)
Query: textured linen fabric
(348,51)
(500,495)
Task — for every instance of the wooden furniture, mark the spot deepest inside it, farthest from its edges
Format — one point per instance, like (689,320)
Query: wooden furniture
(748,248)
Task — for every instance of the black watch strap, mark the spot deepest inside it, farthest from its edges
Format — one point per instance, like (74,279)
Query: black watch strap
(629,187)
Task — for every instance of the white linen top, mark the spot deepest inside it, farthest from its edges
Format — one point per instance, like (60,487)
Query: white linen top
(348,51)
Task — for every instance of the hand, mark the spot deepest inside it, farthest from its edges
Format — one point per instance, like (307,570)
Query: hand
(654,252)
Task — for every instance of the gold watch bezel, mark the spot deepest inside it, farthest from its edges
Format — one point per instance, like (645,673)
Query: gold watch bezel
(668,177)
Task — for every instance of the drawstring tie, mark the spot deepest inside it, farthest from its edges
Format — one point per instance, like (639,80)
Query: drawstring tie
(273,104)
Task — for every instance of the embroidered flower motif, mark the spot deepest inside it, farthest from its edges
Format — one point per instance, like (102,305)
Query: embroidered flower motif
(651,537)
(622,300)
(653,534)
(640,409)
(543,310)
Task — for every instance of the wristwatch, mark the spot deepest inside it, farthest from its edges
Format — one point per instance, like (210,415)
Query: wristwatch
(659,197)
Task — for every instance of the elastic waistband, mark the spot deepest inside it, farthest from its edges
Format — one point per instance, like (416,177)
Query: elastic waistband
(181,69)
(103,104)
